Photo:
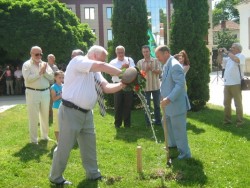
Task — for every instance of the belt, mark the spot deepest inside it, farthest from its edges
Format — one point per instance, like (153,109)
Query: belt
(72,105)
(37,89)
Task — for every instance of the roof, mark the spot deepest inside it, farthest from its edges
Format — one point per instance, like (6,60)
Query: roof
(231,25)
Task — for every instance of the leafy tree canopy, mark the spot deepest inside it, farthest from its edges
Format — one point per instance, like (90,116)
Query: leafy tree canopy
(189,29)
(48,24)
(130,25)
(225,10)
(225,39)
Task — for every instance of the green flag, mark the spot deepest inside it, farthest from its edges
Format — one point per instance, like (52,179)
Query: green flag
(151,43)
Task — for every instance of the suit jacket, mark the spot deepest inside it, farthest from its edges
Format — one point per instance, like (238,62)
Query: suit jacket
(173,87)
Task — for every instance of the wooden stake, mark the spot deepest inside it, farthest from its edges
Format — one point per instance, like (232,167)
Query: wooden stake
(139,159)
(166,136)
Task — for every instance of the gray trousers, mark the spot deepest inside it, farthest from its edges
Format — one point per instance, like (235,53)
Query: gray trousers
(75,126)
(177,134)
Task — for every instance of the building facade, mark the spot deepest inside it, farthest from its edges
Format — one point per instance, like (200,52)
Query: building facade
(97,14)
(244,12)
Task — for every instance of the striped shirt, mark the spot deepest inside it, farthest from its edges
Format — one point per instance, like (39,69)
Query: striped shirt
(152,79)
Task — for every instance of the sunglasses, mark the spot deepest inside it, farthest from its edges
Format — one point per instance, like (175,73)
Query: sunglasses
(39,54)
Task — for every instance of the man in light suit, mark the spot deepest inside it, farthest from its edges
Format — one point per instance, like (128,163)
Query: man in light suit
(175,101)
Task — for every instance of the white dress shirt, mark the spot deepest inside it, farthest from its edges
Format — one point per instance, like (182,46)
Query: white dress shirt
(118,64)
(79,84)
(232,74)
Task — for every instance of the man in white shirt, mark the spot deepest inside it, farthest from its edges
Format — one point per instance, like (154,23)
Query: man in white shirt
(123,100)
(37,76)
(52,63)
(18,80)
(232,78)
(79,97)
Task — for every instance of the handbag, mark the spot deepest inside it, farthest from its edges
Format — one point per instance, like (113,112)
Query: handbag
(245,82)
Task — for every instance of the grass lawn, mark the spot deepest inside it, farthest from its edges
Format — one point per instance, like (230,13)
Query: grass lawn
(220,154)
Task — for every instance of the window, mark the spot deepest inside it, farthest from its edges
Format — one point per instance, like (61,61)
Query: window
(110,34)
(69,8)
(93,31)
(109,12)
(89,13)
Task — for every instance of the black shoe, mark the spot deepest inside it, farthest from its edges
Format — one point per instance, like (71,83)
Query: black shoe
(98,179)
(65,182)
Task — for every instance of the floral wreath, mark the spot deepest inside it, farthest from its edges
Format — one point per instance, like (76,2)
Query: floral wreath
(139,83)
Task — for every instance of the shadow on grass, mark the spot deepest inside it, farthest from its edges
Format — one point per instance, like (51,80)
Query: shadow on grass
(32,151)
(188,172)
(214,117)
(88,184)
(194,128)
(139,129)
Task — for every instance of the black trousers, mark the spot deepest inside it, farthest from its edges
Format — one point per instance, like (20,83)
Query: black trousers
(123,101)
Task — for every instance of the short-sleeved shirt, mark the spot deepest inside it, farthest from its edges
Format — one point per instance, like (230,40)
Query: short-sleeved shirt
(18,74)
(118,64)
(79,84)
(152,79)
(232,73)
(8,75)
(58,89)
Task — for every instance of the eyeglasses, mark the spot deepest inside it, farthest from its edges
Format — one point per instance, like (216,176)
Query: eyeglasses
(39,54)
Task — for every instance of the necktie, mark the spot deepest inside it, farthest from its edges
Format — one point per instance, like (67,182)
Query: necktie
(100,97)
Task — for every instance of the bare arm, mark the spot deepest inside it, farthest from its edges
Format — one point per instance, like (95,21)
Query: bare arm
(105,67)
(53,95)
(112,87)
(234,58)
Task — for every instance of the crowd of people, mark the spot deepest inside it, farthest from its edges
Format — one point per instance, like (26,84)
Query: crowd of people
(11,80)
(70,96)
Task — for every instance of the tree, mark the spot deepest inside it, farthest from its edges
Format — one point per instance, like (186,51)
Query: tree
(189,29)
(224,10)
(225,39)
(129,24)
(48,24)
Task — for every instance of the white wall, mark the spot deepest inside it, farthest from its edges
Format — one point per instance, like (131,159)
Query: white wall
(244,11)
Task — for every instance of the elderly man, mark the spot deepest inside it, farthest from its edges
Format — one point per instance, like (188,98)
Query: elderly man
(76,53)
(123,99)
(18,80)
(153,69)
(174,100)
(37,75)
(79,97)
(232,77)
(52,63)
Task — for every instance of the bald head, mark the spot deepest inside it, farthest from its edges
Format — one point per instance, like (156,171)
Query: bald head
(76,53)
(36,53)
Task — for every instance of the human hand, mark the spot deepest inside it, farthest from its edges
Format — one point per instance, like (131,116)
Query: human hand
(43,68)
(164,102)
(125,65)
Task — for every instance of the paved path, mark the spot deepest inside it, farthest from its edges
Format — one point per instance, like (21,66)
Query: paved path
(7,102)
(215,85)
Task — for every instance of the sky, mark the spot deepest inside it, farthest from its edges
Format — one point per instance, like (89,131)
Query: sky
(213,3)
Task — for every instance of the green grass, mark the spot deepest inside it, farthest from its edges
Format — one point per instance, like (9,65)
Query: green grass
(220,154)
